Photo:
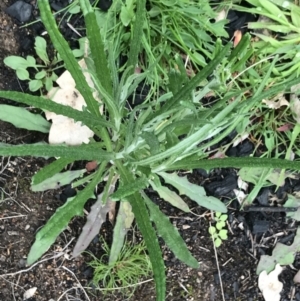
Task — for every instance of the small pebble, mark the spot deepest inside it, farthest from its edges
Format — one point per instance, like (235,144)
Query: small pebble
(22,263)
(20,10)
(2,258)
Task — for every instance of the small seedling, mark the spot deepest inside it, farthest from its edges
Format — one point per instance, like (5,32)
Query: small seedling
(131,266)
(45,75)
(218,232)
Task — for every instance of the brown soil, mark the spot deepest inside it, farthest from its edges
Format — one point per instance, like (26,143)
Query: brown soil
(59,277)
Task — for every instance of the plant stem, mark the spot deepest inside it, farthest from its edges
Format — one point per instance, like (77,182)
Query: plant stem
(106,139)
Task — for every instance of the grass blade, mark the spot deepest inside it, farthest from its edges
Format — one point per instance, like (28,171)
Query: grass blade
(240,48)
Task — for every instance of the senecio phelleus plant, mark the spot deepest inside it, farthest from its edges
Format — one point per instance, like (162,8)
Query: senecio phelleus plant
(136,148)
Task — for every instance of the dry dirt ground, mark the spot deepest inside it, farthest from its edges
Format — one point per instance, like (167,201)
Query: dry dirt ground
(59,277)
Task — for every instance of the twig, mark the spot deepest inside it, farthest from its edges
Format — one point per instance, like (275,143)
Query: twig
(218,267)
(14,216)
(87,297)
(229,260)
(13,284)
(5,166)
(13,291)
(271,209)
(184,288)
(74,29)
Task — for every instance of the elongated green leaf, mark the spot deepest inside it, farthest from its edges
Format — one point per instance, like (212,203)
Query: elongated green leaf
(241,47)
(273,27)
(50,170)
(264,81)
(58,180)
(194,192)
(280,18)
(143,221)
(235,162)
(21,118)
(274,10)
(109,101)
(176,80)
(67,56)
(129,189)
(124,221)
(81,152)
(135,43)
(46,104)
(295,17)
(170,234)
(273,42)
(40,75)
(128,87)
(127,12)
(170,196)
(96,46)
(60,219)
